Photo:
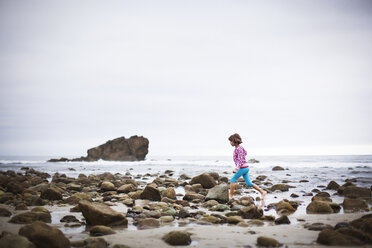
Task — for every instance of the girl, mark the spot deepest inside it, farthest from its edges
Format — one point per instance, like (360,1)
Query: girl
(241,166)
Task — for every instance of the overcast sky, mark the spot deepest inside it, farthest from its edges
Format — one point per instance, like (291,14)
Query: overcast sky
(292,77)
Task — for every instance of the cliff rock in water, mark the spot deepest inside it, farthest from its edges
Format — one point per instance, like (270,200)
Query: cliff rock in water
(119,149)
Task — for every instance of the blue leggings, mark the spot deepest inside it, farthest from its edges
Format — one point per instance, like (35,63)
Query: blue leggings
(245,173)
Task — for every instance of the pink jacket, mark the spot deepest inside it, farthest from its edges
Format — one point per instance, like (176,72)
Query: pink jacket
(239,157)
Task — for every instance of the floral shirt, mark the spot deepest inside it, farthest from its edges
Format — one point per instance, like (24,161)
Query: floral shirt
(239,157)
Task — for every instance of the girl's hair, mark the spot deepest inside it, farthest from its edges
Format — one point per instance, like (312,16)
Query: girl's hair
(236,139)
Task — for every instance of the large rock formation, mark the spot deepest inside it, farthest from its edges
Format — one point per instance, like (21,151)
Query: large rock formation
(119,149)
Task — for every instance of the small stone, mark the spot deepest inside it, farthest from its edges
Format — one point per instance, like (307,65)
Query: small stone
(101,230)
(267,242)
(282,220)
(177,238)
(234,219)
(277,168)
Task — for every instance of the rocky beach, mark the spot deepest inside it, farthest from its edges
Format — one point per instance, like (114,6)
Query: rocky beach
(166,202)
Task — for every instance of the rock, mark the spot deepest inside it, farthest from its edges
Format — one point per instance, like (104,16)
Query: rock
(15,241)
(277,168)
(253,161)
(210,203)
(166,219)
(189,196)
(354,192)
(95,243)
(101,214)
(100,230)
(283,205)
(250,212)
(120,246)
(147,223)
(40,209)
(119,149)
(44,236)
(333,185)
(321,198)
(211,219)
(318,226)
(206,180)
(169,193)
(150,193)
(234,219)
(107,186)
(4,212)
(69,218)
(183,213)
(267,242)
(29,217)
(219,193)
(21,206)
(293,195)
(364,223)
(126,188)
(281,187)
(337,238)
(177,238)
(282,220)
(75,198)
(354,205)
(51,194)
(319,207)
(220,207)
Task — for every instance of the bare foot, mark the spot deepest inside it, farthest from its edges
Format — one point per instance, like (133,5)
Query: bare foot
(264,193)
(230,197)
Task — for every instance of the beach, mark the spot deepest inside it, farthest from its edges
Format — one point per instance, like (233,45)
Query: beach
(154,197)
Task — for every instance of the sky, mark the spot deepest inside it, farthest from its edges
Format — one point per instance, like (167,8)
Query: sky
(291,77)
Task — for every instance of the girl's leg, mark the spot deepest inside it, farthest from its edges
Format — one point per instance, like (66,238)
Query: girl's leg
(232,187)
(249,183)
(232,183)
(263,192)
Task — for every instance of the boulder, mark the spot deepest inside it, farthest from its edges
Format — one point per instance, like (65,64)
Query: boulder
(333,185)
(183,213)
(189,196)
(29,217)
(126,188)
(250,212)
(4,212)
(206,180)
(277,168)
(234,219)
(169,193)
(364,223)
(177,238)
(147,223)
(282,220)
(69,218)
(150,193)
(100,230)
(281,187)
(319,207)
(51,194)
(101,214)
(283,205)
(219,193)
(107,186)
(267,242)
(95,243)
(44,236)
(75,198)
(15,241)
(341,237)
(353,205)
(354,191)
